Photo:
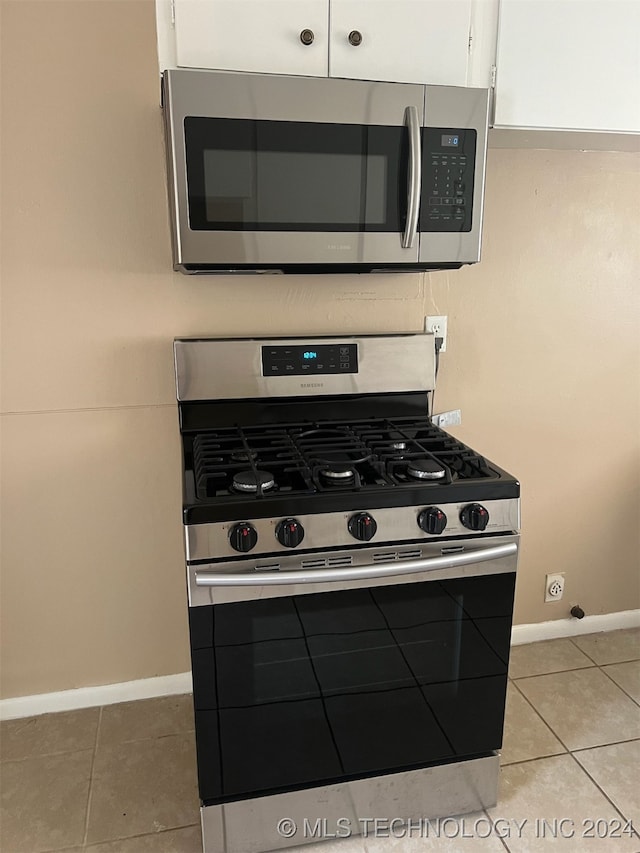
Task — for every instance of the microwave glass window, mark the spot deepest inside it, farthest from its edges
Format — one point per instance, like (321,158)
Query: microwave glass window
(274,187)
(228,176)
(262,175)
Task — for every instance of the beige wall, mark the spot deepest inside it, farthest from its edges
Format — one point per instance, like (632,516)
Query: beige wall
(543,355)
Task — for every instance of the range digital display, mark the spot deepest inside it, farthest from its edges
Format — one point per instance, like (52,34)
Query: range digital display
(449,140)
(301,360)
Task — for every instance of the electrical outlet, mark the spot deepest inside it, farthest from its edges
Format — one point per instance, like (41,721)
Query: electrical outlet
(437,325)
(444,419)
(554,587)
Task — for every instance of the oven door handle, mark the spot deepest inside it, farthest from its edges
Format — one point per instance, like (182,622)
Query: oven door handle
(414,179)
(379,570)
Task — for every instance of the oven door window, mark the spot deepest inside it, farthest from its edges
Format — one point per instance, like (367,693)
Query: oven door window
(299,691)
(247,175)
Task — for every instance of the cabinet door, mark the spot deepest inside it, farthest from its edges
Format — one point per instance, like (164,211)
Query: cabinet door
(410,41)
(253,35)
(569,64)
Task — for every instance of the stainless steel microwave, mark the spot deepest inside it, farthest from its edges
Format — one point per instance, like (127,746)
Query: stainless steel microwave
(300,174)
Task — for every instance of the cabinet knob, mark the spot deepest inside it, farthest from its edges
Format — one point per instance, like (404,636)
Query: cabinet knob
(307,37)
(355,38)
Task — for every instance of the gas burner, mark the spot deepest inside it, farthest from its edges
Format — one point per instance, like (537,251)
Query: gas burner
(252,481)
(339,476)
(242,455)
(425,469)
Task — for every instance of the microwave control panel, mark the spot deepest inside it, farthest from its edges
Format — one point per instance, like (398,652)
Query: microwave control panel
(309,360)
(448,165)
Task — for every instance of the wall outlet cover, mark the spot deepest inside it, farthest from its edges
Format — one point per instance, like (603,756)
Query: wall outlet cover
(438,326)
(554,587)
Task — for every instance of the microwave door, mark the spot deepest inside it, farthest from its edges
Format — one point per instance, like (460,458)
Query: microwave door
(291,173)
(272,192)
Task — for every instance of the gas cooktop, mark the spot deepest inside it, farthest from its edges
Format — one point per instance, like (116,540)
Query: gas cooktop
(326,465)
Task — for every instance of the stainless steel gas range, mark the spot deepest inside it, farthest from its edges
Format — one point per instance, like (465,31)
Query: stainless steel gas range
(351,571)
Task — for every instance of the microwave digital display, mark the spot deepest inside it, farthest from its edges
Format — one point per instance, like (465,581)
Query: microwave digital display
(448,179)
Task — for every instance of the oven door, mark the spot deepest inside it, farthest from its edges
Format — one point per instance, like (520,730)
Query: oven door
(324,681)
(272,172)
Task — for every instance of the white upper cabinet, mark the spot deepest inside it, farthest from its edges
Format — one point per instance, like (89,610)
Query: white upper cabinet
(412,41)
(408,41)
(269,36)
(569,64)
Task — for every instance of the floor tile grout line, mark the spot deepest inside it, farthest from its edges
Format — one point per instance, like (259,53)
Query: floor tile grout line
(535,710)
(607,663)
(605,745)
(581,669)
(568,751)
(591,779)
(595,746)
(138,835)
(90,791)
(535,758)
(602,791)
(493,824)
(586,654)
(618,662)
(125,838)
(555,672)
(39,755)
(152,737)
(60,752)
(571,752)
(619,686)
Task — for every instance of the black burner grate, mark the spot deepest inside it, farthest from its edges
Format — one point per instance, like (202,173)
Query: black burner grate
(328,456)
(219,455)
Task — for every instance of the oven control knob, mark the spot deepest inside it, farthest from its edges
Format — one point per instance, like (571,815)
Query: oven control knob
(289,532)
(474,517)
(362,526)
(432,520)
(243,537)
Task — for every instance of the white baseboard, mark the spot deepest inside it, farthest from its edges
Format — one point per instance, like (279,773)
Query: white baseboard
(89,697)
(574,627)
(170,685)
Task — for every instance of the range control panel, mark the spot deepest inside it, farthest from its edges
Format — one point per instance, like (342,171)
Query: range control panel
(314,360)
(448,164)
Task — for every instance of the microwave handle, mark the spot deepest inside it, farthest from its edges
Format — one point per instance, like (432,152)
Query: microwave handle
(414,179)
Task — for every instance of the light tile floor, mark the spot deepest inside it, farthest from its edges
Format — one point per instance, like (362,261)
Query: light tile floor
(122,779)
